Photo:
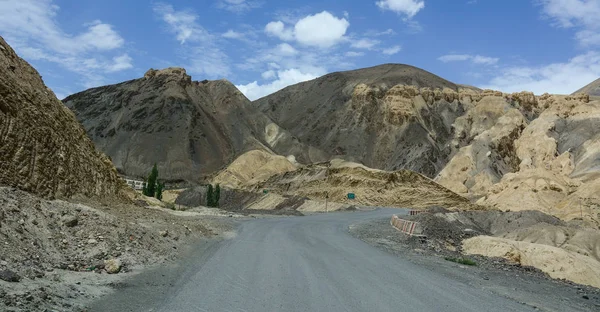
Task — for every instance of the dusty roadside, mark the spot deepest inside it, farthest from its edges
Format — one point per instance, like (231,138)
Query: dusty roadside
(527,285)
(60,255)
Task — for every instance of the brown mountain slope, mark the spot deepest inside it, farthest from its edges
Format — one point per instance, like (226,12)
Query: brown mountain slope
(592,89)
(188,128)
(388,117)
(43,149)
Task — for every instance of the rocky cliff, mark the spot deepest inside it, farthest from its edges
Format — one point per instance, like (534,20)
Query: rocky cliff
(188,128)
(43,149)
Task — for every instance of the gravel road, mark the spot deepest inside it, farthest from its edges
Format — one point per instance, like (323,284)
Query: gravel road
(300,264)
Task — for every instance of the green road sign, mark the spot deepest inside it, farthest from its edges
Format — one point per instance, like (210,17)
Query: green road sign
(351,196)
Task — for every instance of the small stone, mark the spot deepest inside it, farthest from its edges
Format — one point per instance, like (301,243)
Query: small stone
(118,248)
(71,267)
(21,222)
(100,237)
(585,297)
(69,220)
(64,241)
(92,241)
(9,276)
(112,266)
(3,263)
(127,248)
(163,233)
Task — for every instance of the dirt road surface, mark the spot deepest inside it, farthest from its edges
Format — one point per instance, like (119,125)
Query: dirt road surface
(301,264)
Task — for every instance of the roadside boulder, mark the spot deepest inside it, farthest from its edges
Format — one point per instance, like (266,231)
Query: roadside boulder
(112,266)
(9,276)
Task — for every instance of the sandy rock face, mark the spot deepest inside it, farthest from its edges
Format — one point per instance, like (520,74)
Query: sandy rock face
(520,151)
(43,149)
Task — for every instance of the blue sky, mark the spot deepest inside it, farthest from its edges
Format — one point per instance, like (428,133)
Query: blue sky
(261,45)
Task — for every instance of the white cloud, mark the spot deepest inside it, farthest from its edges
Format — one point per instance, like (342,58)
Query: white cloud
(354,54)
(232,34)
(320,30)
(31,27)
(286,49)
(238,6)
(558,78)
(269,74)
(199,47)
(364,43)
(476,59)
(583,14)
(485,60)
(120,63)
(182,23)
(279,30)
(254,90)
(387,32)
(410,8)
(391,51)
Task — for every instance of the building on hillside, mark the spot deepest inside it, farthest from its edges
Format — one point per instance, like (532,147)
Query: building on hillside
(135,184)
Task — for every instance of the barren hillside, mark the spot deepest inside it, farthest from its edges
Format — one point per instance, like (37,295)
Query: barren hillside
(189,128)
(387,117)
(43,149)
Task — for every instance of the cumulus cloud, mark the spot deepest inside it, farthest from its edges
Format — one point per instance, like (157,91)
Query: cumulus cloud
(31,27)
(559,78)
(279,30)
(320,30)
(392,50)
(476,59)
(581,14)
(284,78)
(408,8)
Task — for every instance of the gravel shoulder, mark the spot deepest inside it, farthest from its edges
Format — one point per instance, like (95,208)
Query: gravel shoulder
(526,285)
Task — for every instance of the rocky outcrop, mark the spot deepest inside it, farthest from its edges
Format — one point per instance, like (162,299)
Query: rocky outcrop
(520,152)
(43,149)
(190,129)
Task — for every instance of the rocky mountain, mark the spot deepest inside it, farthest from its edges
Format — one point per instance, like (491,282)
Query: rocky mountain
(592,89)
(530,152)
(43,149)
(188,128)
(387,117)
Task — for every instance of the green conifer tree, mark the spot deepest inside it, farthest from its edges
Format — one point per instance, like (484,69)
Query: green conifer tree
(217,195)
(209,196)
(159,189)
(151,184)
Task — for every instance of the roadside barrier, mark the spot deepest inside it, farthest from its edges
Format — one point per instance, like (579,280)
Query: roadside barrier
(416,212)
(405,226)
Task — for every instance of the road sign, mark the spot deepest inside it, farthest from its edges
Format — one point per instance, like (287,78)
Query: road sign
(351,196)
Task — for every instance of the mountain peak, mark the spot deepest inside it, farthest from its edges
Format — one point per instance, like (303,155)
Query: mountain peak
(178,72)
